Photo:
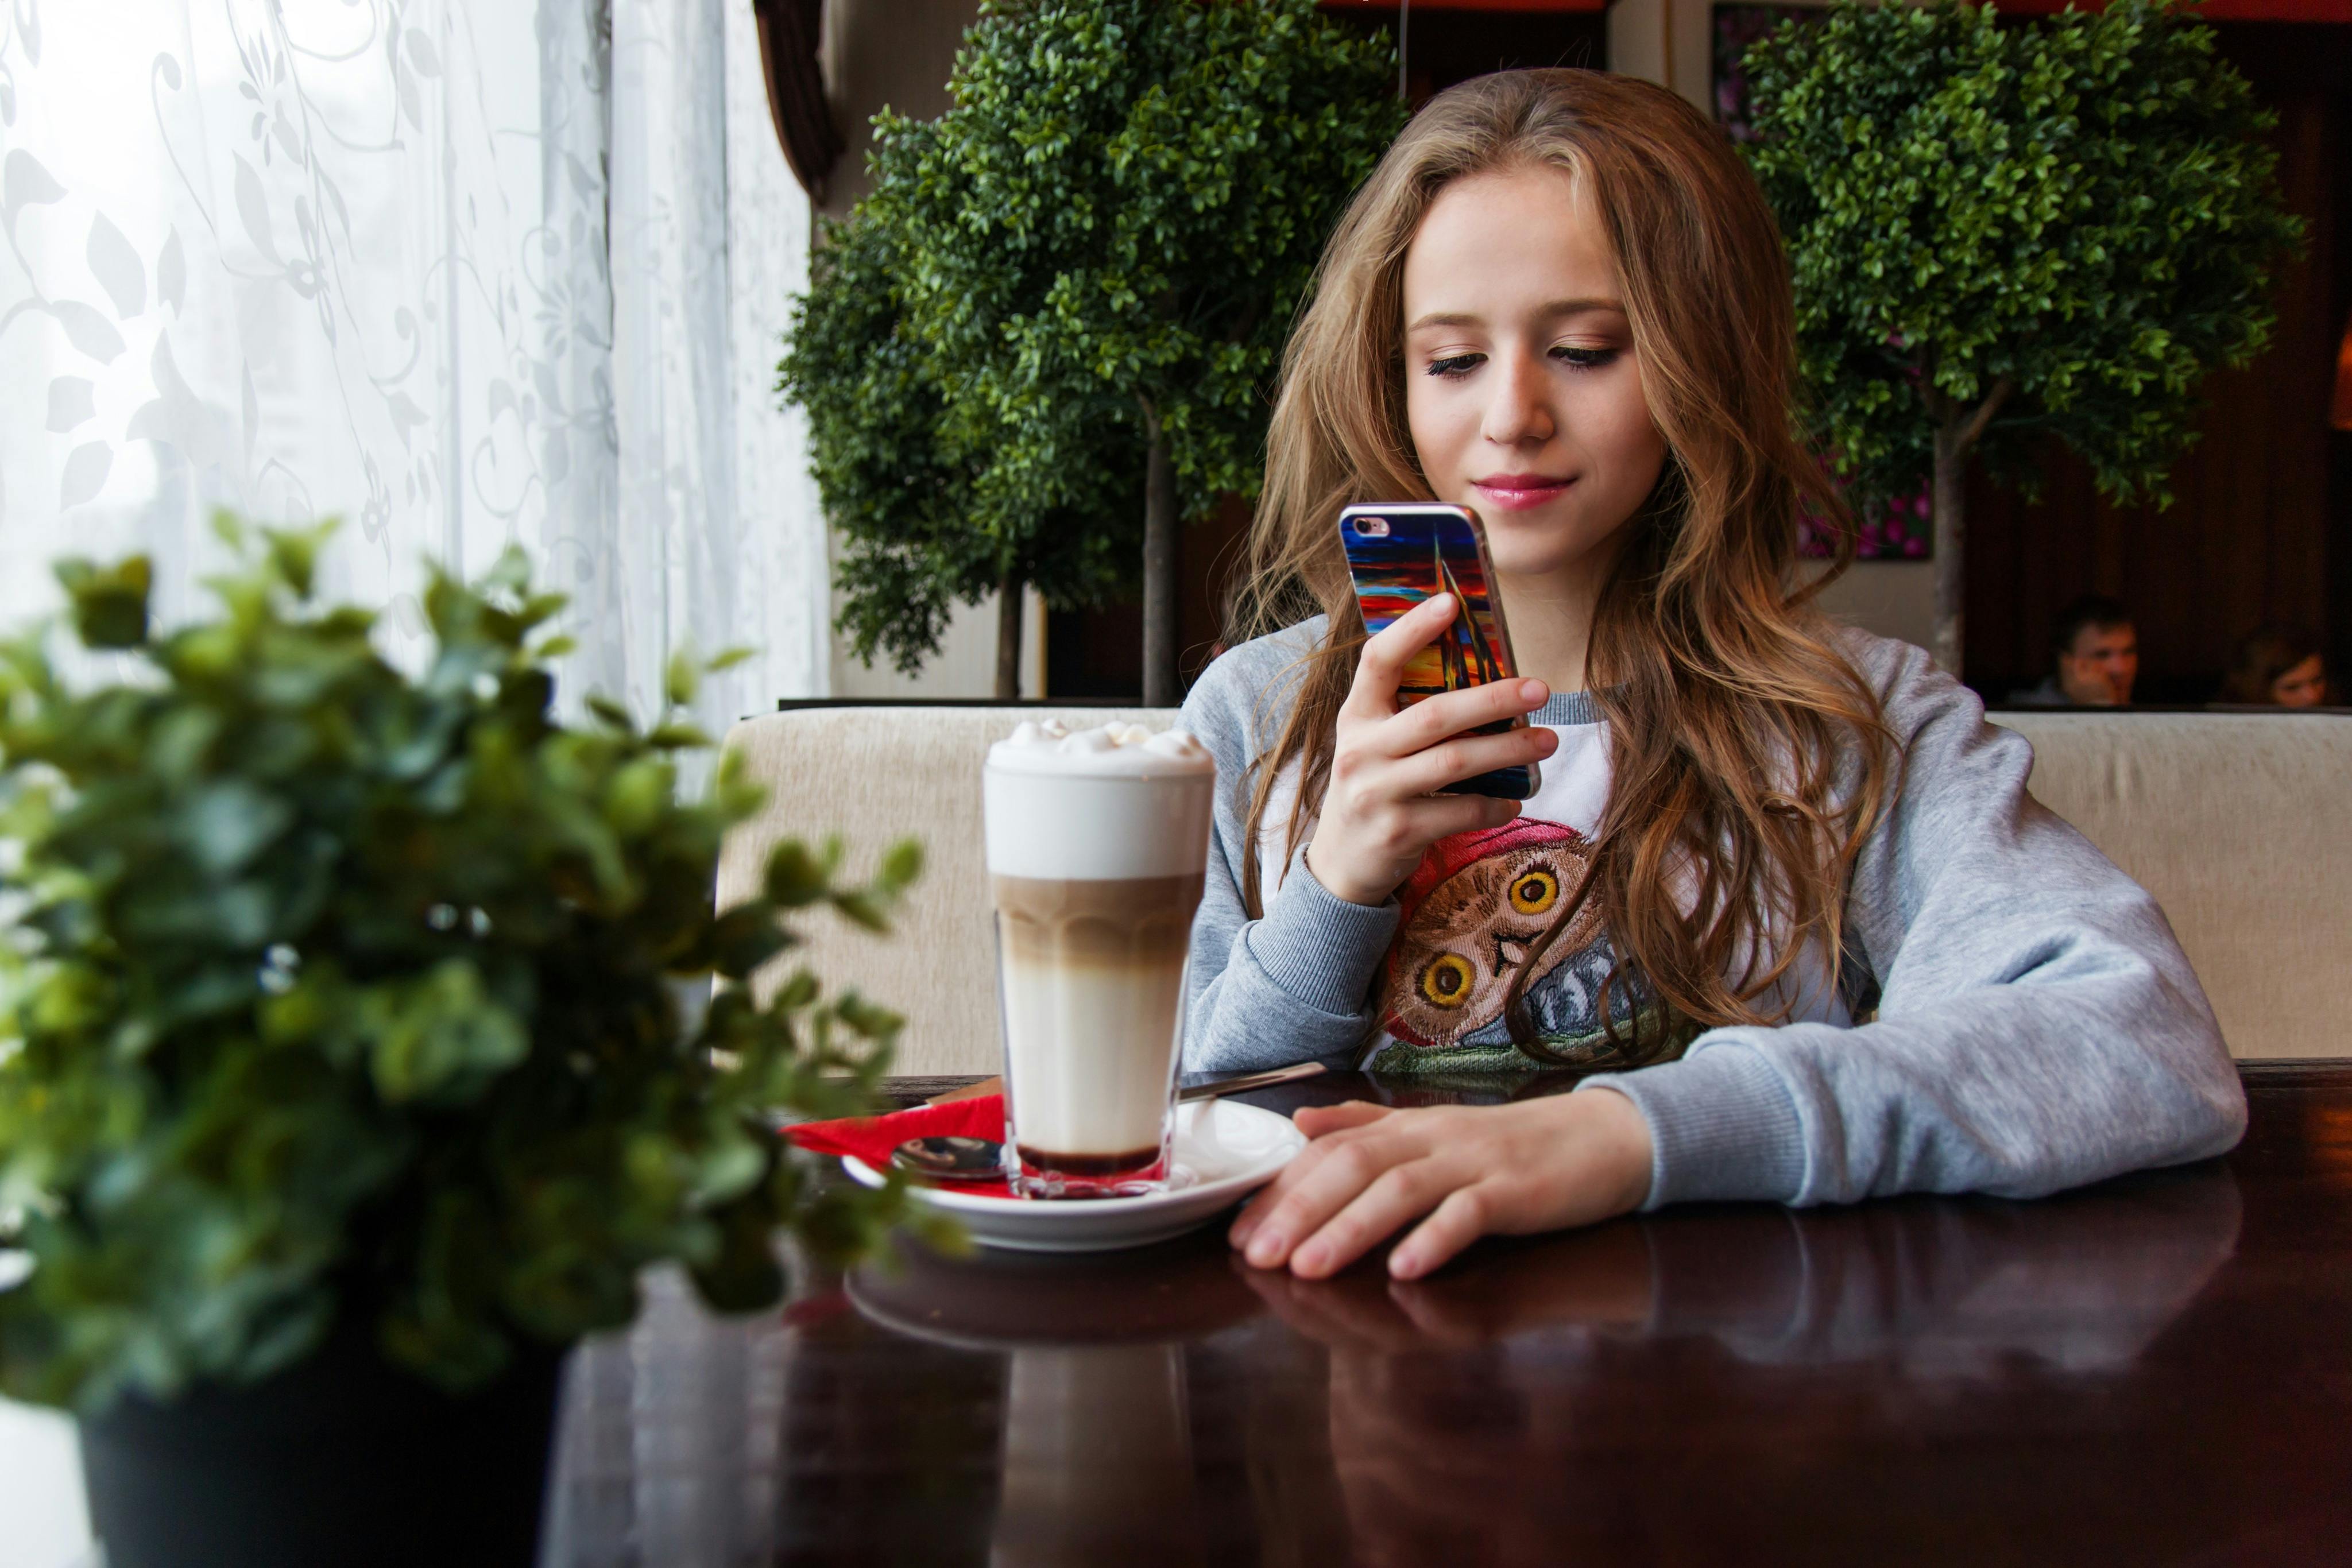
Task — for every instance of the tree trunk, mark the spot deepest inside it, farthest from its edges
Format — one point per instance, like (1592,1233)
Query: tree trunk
(1008,639)
(1949,501)
(1159,678)
(1957,431)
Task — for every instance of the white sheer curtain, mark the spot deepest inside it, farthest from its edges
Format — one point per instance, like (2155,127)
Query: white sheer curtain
(465,274)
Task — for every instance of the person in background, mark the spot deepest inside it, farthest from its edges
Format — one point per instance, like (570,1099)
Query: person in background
(2277,668)
(2095,652)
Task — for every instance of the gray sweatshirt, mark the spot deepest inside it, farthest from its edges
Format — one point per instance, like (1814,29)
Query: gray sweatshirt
(2036,1024)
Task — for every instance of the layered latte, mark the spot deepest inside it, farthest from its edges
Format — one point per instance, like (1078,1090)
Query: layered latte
(1096,844)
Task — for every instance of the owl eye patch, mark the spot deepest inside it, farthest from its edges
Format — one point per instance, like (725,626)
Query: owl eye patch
(1445,980)
(1535,892)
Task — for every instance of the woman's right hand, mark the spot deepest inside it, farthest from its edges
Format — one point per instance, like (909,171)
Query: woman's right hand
(1380,810)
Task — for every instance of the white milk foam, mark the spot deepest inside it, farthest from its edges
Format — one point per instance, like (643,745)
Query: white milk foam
(1092,1003)
(1101,804)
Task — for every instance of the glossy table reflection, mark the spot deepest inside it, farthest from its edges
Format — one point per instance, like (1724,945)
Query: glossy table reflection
(2156,1370)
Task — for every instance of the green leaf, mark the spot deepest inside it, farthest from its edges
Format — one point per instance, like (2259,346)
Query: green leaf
(901,864)
(615,715)
(863,908)
(795,877)
(109,604)
(744,938)
(224,825)
(634,799)
(441,1035)
(744,1275)
(683,680)
(294,555)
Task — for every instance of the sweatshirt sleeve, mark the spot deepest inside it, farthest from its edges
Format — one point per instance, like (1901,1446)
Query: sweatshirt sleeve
(2038,1026)
(1296,985)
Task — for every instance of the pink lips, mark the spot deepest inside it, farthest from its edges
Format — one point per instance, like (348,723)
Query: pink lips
(1517,492)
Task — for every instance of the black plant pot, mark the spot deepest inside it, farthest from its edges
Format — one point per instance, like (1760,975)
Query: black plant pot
(339,1462)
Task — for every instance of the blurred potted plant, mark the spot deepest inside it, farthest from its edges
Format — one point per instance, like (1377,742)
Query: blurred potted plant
(348,1064)
(2002,234)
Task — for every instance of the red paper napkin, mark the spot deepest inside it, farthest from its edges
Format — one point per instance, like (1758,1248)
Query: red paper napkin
(871,1138)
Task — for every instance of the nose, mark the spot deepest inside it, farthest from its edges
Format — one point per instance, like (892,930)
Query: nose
(1518,401)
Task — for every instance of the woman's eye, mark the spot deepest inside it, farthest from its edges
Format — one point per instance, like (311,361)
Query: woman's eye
(1455,365)
(1584,359)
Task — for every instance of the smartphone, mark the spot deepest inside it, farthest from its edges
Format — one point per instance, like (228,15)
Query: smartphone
(1401,552)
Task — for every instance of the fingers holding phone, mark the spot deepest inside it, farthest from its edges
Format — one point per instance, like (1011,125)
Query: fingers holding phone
(1389,652)
(1433,721)
(1381,808)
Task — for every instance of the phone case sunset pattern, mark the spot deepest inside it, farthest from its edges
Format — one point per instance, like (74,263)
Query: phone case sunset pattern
(1401,557)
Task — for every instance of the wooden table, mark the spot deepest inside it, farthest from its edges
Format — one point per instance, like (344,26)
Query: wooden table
(2158,1370)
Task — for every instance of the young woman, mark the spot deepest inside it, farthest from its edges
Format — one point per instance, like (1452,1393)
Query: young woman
(1781,882)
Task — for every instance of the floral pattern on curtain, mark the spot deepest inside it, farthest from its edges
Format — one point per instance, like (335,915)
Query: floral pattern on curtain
(458,273)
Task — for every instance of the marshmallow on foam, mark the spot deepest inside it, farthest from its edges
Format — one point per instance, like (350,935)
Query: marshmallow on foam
(1120,748)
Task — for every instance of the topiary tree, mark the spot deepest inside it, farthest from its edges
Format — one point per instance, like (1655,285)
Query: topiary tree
(900,489)
(1049,334)
(2002,233)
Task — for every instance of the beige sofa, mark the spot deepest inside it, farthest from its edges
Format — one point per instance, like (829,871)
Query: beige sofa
(2237,822)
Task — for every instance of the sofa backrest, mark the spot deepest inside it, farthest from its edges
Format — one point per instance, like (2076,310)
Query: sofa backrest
(2230,820)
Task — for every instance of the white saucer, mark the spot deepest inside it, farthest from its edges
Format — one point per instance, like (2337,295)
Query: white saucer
(1225,1151)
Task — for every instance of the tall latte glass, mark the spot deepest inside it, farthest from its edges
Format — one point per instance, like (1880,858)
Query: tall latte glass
(1096,842)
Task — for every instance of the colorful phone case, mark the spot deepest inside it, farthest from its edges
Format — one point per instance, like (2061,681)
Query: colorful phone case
(1403,552)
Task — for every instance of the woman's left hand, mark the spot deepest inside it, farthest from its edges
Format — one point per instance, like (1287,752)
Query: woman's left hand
(1474,1170)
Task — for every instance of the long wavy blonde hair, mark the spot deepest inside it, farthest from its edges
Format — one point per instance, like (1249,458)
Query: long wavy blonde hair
(1751,757)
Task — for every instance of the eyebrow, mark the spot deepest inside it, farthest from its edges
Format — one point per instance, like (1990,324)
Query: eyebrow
(1557,307)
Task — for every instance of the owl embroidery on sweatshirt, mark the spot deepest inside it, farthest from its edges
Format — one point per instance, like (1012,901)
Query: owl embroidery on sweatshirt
(1475,916)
